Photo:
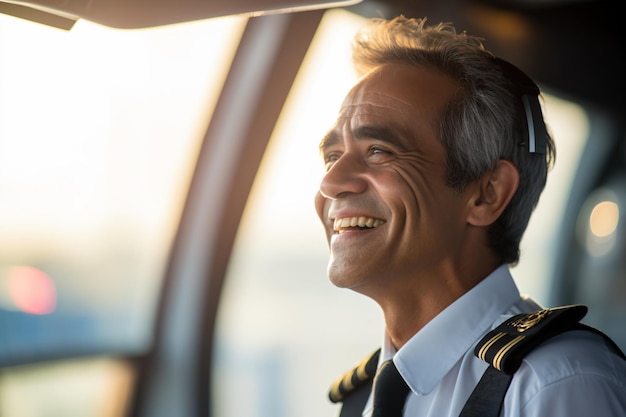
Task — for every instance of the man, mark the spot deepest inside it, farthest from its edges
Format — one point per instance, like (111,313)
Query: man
(433,167)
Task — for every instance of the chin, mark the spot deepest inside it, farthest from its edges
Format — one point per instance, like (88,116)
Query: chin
(338,282)
(340,279)
(346,278)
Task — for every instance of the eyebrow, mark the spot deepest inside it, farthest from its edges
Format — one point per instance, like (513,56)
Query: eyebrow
(331,138)
(382,133)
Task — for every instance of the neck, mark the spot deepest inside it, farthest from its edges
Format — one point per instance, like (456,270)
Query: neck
(408,310)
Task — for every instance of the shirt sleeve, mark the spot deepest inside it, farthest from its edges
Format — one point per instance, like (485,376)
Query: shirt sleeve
(585,395)
(574,374)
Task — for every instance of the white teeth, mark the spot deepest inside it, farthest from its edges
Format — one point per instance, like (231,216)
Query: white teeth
(340,225)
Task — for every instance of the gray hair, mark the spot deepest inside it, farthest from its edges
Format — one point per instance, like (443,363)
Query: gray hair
(484,123)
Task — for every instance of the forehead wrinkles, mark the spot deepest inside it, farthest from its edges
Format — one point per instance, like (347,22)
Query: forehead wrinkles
(369,102)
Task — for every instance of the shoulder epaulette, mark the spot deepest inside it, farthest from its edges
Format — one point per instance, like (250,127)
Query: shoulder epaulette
(355,378)
(505,346)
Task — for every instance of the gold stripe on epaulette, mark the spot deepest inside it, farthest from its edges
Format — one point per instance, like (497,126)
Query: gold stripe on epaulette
(482,354)
(346,383)
(497,360)
(335,390)
(360,369)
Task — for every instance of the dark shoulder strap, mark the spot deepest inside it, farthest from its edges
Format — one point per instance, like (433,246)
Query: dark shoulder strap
(353,387)
(487,398)
(354,404)
(504,349)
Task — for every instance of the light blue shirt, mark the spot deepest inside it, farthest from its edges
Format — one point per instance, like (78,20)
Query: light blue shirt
(574,374)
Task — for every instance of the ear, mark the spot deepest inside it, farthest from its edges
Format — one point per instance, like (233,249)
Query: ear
(492,195)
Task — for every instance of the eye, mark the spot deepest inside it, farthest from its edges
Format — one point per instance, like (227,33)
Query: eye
(379,153)
(330,159)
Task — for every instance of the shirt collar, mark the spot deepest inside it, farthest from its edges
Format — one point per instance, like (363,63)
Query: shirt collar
(430,354)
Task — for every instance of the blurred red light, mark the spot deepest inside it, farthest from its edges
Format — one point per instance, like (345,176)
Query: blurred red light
(31,289)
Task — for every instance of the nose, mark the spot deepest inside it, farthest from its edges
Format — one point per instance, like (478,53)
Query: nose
(345,176)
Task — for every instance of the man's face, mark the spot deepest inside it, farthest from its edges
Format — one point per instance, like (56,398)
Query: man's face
(384,203)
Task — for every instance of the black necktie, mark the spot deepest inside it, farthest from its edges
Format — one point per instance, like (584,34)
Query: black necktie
(390,391)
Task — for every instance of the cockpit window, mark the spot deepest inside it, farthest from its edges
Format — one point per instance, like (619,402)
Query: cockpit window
(99,130)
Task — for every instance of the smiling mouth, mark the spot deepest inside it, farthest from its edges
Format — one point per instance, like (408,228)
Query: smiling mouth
(356,223)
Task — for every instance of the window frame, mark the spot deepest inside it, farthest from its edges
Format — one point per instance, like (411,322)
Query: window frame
(175,376)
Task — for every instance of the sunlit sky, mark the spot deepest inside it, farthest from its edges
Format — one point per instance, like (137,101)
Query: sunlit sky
(93,116)
(99,130)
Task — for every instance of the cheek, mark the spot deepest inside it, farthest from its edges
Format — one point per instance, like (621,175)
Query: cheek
(417,197)
(407,187)
(422,182)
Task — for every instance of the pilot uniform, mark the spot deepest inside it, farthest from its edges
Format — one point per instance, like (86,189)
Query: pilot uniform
(573,374)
